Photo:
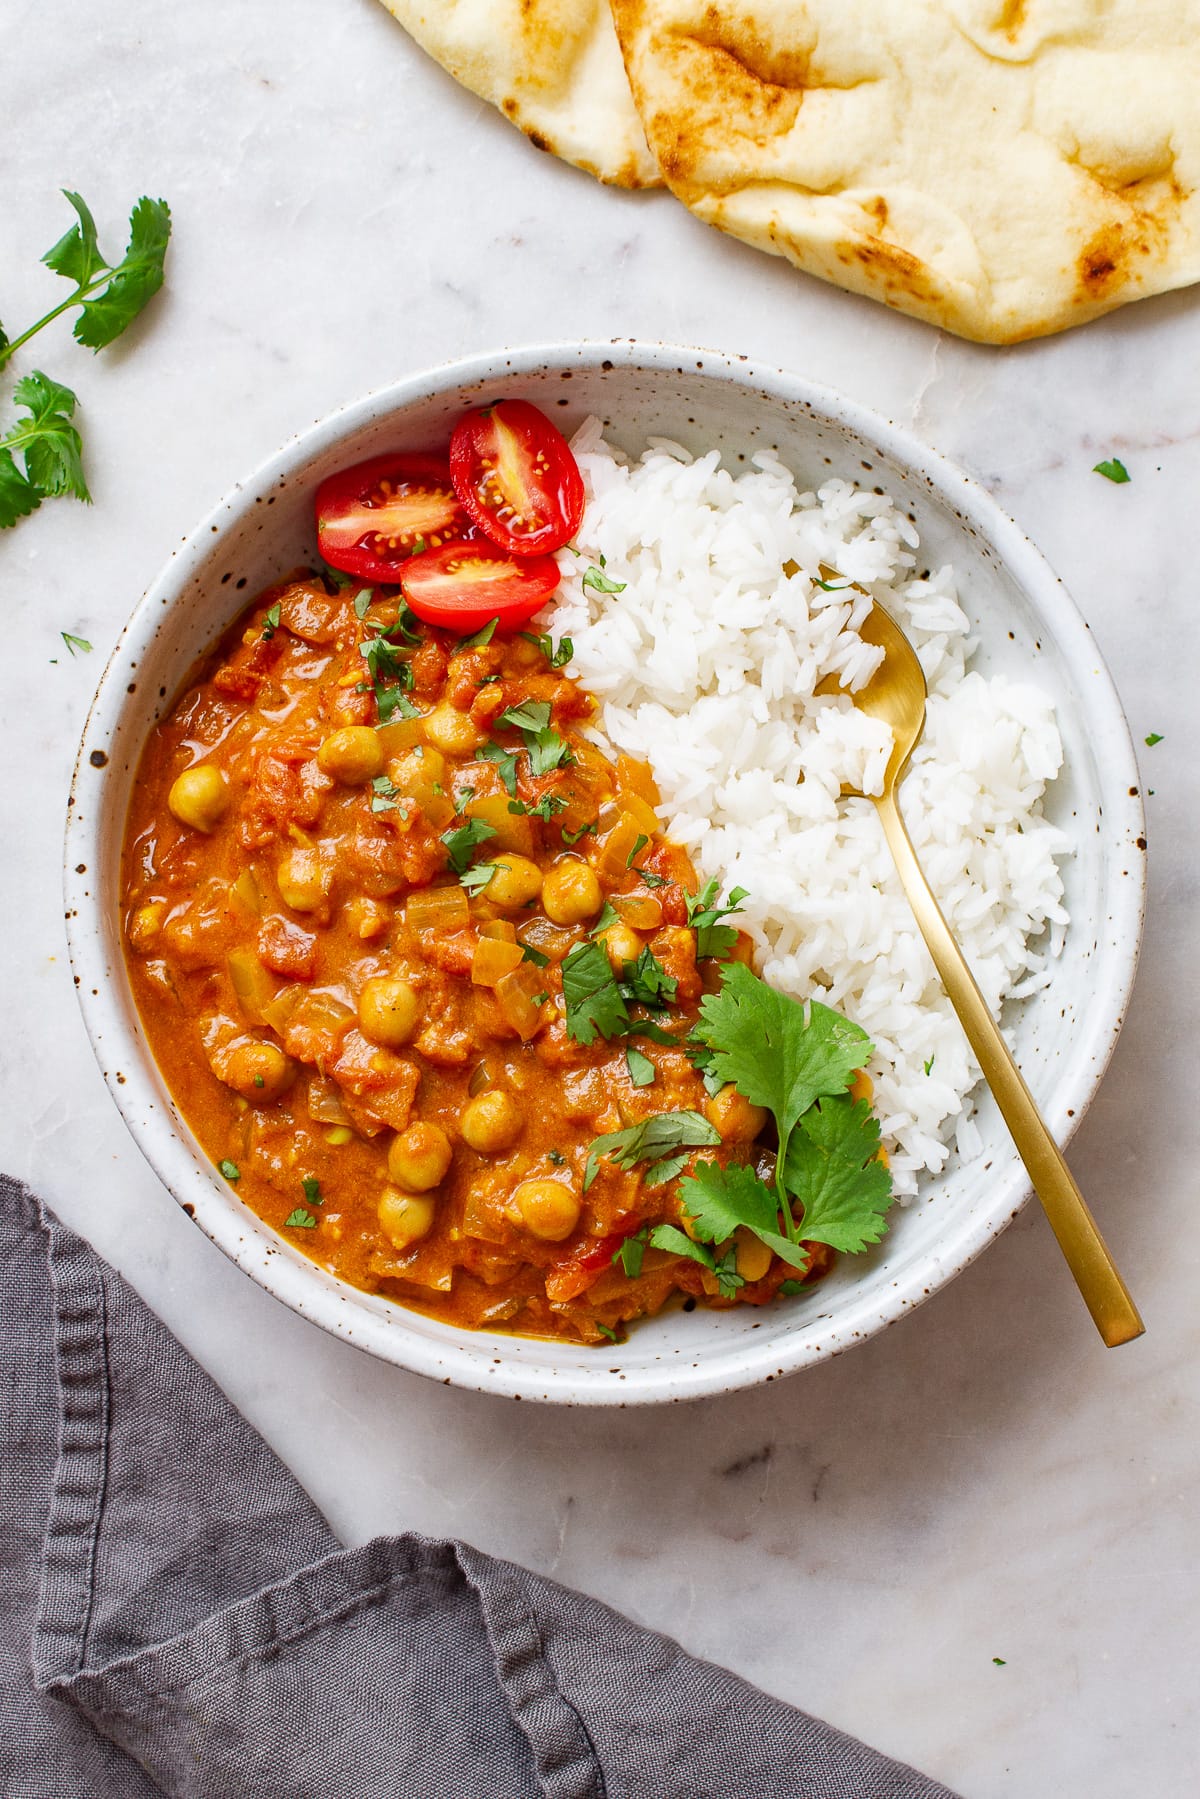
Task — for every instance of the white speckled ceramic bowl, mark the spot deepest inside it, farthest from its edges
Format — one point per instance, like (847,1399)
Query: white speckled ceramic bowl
(1026,624)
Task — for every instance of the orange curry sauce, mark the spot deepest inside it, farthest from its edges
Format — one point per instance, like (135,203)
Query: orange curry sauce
(355,1036)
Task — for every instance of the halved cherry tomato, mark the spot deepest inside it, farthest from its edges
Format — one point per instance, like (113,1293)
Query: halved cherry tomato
(462,585)
(372,517)
(517,478)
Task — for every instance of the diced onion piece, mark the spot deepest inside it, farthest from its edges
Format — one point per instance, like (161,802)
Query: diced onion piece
(481,1078)
(513,830)
(642,813)
(437,909)
(636,776)
(503,928)
(515,995)
(615,855)
(280,1009)
(324,1102)
(400,735)
(493,960)
(549,939)
(641,910)
(247,892)
(254,987)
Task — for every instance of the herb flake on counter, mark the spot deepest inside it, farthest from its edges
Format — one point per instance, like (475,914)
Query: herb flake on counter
(299,1220)
(230,1170)
(1153,738)
(1113,470)
(74,643)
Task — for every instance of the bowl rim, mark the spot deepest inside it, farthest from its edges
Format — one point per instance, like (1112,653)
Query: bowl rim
(466,1358)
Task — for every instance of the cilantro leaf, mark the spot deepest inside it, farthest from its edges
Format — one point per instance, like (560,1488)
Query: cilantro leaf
(641,1069)
(312,1190)
(135,280)
(718,1200)
(607,1331)
(832,1169)
(534,955)
(704,910)
(230,1170)
(1153,738)
(476,879)
(77,255)
(593,999)
(74,643)
(362,601)
(393,700)
(572,837)
(532,715)
(18,495)
(655,1140)
(1113,470)
(776,1054)
(599,582)
(547,751)
(464,841)
(547,806)
(385,796)
(299,1220)
(646,982)
(630,1254)
(270,622)
(678,1243)
(557,658)
(478,638)
(506,764)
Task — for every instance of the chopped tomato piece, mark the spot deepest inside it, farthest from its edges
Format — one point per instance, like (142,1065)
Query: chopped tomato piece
(582,1269)
(287,950)
(371,518)
(462,585)
(517,478)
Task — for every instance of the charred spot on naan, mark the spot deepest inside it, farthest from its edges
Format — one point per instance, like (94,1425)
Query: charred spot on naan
(727,80)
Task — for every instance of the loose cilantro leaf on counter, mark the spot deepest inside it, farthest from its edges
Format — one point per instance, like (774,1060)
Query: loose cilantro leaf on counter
(109,295)
(641,1068)
(312,1190)
(1153,738)
(832,1170)
(299,1220)
(705,911)
(599,582)
(656,1141)
(478,638)
(593,999)
(230,1170)
(74,643)
(464,841)
(1113,470)
(48,445)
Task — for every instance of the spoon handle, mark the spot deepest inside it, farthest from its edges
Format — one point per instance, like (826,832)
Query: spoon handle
(1105,1293)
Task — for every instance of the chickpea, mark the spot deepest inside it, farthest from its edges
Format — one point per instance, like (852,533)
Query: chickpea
(733,1115)
(570,892)
(145,925)
(389,1010)
(301,880)
(405,1218)
(491,1121)
(353,755)
(259,1071)
(452,731)
(420,1157)
(367,918)
(199,797)
(622,944)
(547,1209)
(516,881)
(753,1256)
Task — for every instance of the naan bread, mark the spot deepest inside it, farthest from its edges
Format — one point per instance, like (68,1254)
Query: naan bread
(1004,168)
(552,66)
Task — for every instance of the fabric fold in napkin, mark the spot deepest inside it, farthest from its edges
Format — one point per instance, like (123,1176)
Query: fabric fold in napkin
(177,1617)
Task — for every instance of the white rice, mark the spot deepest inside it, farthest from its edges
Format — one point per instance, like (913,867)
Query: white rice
(707,665)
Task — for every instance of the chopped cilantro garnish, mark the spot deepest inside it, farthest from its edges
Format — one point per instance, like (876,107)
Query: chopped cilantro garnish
(639,845)
(607,917)
(547,806)
(678,1243)
(337,577)
(641,1068)
(651,879)
(476,879)
(506,764)
(557,1157)
(630,1254)
(646,982)
(593,999)
(230,1170)
(789,1288)
(1153,738)
(463,842)
(830,586)
(705,911)
(572,837)
(557,658)
(259,1081)
(391,700)
(534,955)
(270,622)
(599,582)
(531,715)
(299,1220)
(606,1330)
(312,1190)
(362,601)
(657,1141)
(547,750)
(1113,470)
(385,796)
(478,638)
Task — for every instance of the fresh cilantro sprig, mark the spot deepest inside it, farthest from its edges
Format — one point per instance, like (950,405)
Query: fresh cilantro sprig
(109,295)
(464,841)
(546,749)
(48,446)
(597,1001)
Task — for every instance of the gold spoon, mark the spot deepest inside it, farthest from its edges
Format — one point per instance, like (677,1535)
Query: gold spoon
(896,694)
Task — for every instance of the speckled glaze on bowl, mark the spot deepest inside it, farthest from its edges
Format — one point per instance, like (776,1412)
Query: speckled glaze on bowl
(1026,623)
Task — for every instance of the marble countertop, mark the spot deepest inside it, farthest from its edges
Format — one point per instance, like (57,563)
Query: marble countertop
(973,1541)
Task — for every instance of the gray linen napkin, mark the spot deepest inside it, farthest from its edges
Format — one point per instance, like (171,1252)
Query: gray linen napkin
(177,1617)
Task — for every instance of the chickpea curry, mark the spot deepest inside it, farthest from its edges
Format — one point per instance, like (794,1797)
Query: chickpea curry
(442,1001)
